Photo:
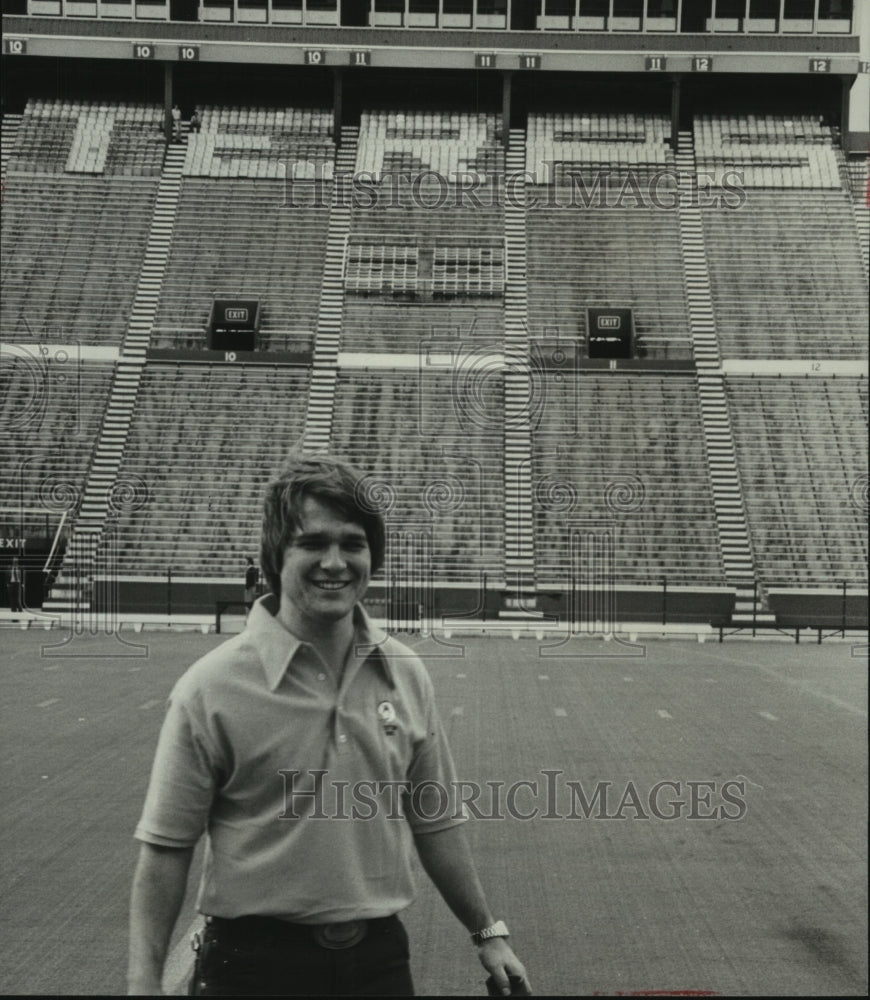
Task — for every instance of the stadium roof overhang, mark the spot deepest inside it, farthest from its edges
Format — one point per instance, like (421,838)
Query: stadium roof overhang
(421,48)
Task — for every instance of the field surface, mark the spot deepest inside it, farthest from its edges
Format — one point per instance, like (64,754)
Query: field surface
(726,852)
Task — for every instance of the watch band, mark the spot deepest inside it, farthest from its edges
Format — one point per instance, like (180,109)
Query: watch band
(498,929)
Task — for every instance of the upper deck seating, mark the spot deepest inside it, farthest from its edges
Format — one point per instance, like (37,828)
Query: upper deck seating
(89,137)
(268,143)
(73,248)
(239,238)
(786,276)
(425,257)
(598,234)
(785,264)
(252,222)
(562,147)
(451,145)
(80,189)
(766,151)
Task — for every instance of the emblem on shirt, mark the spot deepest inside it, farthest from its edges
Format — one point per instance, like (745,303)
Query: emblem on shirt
(387,715)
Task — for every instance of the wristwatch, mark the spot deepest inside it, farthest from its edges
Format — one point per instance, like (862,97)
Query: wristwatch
(498,929)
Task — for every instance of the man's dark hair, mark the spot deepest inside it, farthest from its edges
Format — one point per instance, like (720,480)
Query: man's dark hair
(332,481)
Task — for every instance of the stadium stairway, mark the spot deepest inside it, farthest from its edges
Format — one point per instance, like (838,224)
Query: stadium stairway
(859,183)
(728,500)
(519,527)
(698,292)
(324,371)
(105,495)
(862,221)
(7,140)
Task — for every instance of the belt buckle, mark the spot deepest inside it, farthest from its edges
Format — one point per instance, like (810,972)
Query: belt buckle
(336,937)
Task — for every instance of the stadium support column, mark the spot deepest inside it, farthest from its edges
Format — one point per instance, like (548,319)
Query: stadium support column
(167,100)
(337,92)
(506,88)
(856,113)
(676,94)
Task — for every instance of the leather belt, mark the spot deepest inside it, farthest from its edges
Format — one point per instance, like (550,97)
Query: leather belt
(271,932)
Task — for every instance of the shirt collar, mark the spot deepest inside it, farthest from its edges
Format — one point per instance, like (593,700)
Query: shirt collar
(277,646)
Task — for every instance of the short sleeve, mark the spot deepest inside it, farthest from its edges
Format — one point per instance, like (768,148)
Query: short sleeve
(433,802)
(182,784)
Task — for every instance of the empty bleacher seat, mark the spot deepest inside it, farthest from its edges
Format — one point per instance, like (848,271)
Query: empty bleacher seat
(198,520)
(447,144)
(786,276)
(801,446)
(51,406)
(621,458)
(436,446)
(73,250)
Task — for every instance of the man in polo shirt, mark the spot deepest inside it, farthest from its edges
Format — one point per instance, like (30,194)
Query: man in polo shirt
(310,751)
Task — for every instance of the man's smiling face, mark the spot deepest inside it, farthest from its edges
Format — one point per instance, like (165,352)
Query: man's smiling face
(326,569)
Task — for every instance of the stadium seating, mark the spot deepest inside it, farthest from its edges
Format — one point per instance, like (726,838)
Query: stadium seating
(767,151)
(434,448)
(381,268)
(786,276)
(425,252)
(72,252)
(445,271)
(424,272)
(239,237)
(51,408)
(624,454)
(448,144)
(285,143)
(408,327)
(252,221)
(559,145)
(223,431)
(110,137)
(856,179)
(590,257)
(802,451)
(784,260)
(597,239)
(80,189)
(859,180)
